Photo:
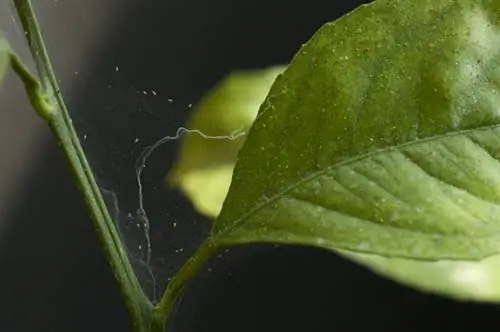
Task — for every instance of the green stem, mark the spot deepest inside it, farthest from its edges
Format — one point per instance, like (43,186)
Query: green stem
(186,273)
(46,98)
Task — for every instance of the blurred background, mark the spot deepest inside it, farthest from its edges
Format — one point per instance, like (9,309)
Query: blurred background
(130,71)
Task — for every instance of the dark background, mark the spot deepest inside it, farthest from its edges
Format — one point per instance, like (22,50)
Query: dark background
(53,276)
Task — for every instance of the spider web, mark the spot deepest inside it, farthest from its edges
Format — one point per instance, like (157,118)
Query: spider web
(125,126)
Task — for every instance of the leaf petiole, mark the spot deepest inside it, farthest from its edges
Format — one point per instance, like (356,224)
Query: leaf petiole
(183,276)
(32,87)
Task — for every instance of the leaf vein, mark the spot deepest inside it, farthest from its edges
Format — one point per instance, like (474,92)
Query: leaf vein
(349,215)
(346,162)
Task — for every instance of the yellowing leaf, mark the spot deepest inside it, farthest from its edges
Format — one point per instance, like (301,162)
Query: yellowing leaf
(205,166)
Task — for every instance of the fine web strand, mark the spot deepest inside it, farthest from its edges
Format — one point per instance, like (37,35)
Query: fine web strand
(117,217)
(141,218)
(140,164)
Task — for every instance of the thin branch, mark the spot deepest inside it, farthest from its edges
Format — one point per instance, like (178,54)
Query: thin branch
(46,98)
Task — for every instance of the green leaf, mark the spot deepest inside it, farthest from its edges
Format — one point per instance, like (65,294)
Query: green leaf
(465,280)
(205,166)
(4,56)
(382,140)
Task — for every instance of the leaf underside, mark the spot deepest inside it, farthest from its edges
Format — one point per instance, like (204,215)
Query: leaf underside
(381,137)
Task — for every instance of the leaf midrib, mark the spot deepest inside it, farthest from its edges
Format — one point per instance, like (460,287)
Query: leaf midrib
(346,162)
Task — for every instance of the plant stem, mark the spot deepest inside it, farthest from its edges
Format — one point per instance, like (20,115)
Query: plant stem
(46,98)
(183,276)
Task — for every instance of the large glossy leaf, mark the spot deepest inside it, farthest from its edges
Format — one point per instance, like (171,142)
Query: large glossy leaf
(478,280)
(381,138)
(4,56)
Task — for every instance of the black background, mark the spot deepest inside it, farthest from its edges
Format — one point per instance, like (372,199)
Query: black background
(53,276)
